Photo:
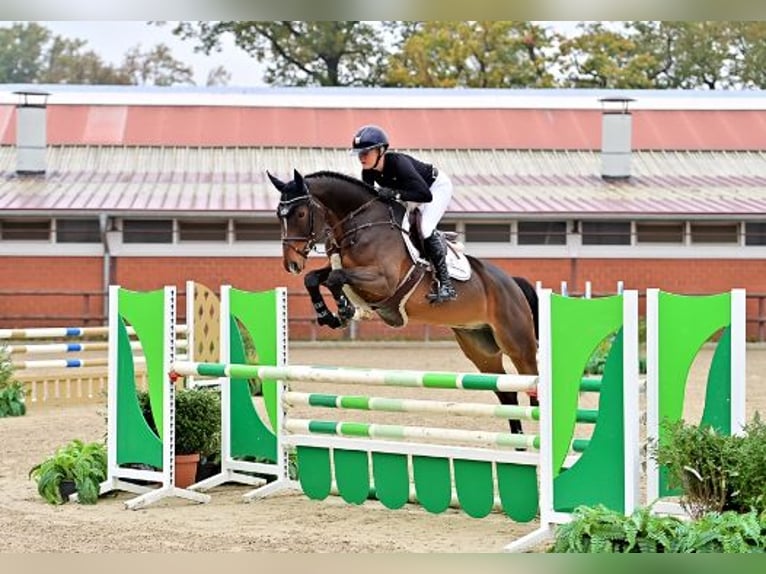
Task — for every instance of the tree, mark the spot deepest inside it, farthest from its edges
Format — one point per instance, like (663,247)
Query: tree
(155,67)
(748,41)
(606,58)
(218,76)
(347,53)
(478,54)
(68,63)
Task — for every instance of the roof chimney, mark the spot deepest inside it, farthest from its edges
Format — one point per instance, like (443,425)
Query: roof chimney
(616,129)
(31,132)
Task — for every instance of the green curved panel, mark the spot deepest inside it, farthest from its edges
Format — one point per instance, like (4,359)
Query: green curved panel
(391,477)
(519,494)
(475,486)
(595,478)
(145,312)
(258,313)
(717,411)
(433,483)
(686,323)
(352,474)
(580,325)
(136,442)
(314,471)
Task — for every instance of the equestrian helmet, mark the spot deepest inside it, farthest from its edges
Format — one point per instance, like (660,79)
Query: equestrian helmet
(369,137)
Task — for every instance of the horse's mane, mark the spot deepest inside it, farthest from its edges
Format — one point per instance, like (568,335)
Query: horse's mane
(343,177)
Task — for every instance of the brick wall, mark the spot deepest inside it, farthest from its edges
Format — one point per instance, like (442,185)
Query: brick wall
(82,274)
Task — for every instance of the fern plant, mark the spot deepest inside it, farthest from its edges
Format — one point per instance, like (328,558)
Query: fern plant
(600,530)
(85,464)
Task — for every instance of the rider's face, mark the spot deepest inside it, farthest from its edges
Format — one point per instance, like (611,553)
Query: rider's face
(368,157)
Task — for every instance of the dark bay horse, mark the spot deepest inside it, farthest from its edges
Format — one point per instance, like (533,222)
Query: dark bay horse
(494,314)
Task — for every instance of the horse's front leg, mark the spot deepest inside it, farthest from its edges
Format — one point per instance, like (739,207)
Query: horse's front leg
(334,284)
(363,280)
(312,282)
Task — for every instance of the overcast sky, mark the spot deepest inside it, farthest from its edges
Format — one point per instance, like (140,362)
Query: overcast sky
(112,39)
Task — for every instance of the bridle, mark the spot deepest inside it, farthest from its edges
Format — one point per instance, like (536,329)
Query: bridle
(309,241)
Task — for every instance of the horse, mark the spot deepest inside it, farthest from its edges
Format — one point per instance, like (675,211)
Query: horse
(494,315)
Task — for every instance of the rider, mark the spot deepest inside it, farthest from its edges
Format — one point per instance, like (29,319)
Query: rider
(401,176)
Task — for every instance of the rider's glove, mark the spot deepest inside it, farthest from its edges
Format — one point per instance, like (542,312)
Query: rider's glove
(387,193)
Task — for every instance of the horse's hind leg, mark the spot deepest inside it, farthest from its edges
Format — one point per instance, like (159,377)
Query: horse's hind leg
(482,351)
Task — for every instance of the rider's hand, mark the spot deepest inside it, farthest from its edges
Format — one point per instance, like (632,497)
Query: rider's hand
(387,193)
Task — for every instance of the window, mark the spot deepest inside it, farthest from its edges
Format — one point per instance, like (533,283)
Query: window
(714,232)
(542,233)
(606,233)
(660,231)
(78,231)
(755,233)
(448,227)
(147,231)
(488,232)
(202,230)
(256,231)
(25,229)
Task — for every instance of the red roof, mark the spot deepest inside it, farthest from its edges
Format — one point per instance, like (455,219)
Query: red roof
(499,128)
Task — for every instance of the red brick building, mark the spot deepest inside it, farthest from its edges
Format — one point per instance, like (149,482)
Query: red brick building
(147,187)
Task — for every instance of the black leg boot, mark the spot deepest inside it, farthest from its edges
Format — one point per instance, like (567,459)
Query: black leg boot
(437,253)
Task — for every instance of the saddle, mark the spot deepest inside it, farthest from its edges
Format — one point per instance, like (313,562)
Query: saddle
(457,262)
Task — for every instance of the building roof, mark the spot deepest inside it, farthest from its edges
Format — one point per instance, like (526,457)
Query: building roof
(535,153)
(415,118)
(178,181)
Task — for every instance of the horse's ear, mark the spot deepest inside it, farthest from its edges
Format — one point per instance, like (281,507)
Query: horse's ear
(298,178)
(279,184)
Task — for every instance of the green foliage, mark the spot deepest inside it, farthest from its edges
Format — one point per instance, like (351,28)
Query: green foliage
(749,473)
(12,392)
(716,472)
(599,530)
(727,532)
(700,461)
(198,420)
(82,463)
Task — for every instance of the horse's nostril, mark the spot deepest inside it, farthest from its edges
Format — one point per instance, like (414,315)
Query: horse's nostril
(294,268)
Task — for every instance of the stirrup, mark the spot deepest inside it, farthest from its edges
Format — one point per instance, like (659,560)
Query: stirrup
(442,294)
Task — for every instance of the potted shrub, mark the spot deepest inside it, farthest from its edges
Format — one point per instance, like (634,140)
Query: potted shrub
(76,467)
(197,432)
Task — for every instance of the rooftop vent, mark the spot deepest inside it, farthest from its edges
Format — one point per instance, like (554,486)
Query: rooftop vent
(31,137)
(616,130)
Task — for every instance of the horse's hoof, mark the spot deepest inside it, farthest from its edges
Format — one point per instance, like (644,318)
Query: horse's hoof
(346,313)
(329,320)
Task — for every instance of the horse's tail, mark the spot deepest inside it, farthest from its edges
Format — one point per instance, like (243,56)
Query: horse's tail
(531,295)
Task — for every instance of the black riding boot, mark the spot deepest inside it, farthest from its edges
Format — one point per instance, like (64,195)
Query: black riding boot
(437,253)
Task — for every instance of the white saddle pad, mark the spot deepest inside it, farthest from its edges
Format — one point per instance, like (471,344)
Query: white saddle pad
(457,262)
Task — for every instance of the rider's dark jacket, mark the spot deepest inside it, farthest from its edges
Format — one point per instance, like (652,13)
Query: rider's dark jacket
(410,177)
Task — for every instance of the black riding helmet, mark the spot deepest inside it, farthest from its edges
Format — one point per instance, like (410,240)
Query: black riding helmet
(369,137)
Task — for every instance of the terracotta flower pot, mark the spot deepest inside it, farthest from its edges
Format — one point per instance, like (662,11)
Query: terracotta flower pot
(186,469)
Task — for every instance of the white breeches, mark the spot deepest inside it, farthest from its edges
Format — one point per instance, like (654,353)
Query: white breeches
(441,190)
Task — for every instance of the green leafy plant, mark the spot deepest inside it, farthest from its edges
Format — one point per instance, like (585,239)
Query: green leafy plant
(82,463)
(727,532)
(600,530)
(700,461)
(748,475)
(198,420)
(12,392)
